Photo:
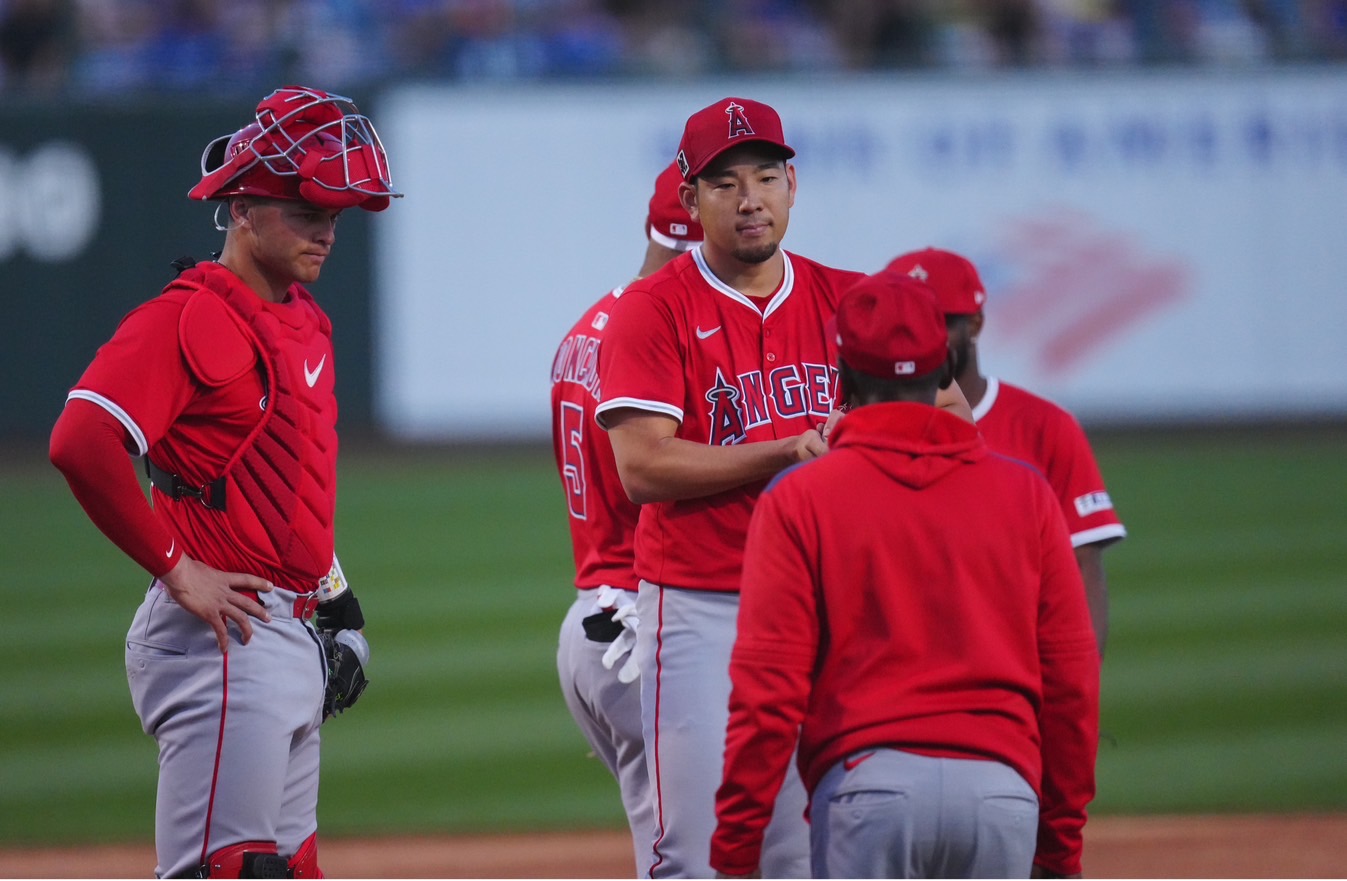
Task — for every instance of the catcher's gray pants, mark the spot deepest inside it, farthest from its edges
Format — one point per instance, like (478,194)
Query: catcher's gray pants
(609,713)
(901,815)
(237,732)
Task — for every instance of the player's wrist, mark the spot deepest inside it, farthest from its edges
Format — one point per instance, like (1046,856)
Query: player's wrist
(340,613)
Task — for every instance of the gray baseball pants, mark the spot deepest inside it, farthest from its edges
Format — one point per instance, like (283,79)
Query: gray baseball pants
(894,814)
(608,711)
(238,733)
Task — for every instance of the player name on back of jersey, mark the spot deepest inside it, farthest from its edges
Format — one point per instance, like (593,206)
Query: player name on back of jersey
(577,362)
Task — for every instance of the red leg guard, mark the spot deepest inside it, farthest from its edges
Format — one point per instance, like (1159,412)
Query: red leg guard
(250,859)
(304,864)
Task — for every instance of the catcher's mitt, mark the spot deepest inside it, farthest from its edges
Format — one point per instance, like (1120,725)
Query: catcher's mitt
(347,653)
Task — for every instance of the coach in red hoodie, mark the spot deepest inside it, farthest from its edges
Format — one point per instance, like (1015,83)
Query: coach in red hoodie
(912,609)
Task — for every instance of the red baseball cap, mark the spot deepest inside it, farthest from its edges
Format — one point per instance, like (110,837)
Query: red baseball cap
(668,222)
(955,280)
(889,325)
(727,123)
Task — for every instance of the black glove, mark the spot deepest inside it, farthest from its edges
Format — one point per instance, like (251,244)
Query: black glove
(342,612)
(347,653)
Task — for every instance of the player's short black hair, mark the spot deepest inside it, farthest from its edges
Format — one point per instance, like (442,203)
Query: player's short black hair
(859,389)
(952,320)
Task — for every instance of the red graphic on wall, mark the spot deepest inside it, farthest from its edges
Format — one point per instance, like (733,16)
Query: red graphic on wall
(1072,287)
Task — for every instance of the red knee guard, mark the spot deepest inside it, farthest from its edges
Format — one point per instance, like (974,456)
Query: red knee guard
(304,864)
(250,859)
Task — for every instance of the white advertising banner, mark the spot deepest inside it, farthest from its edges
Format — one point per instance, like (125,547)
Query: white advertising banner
(1156,246)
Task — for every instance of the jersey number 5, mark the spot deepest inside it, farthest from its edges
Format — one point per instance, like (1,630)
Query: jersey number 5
(573,471)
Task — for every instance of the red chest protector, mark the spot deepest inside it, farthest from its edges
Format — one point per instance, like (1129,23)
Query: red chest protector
(280,485)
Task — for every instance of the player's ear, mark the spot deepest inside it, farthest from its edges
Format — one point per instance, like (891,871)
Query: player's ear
(687,197)
(790,182)
(974,325)
(238,211)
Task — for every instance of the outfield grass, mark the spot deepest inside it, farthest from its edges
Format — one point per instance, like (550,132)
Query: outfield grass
(1223,684)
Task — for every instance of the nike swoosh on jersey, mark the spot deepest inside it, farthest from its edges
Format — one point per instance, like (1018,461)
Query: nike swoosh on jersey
(852,763)
(707,334)
(171,545)
(311,376)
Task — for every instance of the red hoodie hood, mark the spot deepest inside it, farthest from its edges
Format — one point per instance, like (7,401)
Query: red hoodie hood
(916,444)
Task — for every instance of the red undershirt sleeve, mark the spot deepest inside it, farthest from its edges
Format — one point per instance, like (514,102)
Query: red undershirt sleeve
(89,446)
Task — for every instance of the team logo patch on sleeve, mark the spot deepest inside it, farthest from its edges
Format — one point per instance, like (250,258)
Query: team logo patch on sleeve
(1093,503)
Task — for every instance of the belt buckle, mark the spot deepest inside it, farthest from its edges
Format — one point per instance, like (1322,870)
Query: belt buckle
(306,605)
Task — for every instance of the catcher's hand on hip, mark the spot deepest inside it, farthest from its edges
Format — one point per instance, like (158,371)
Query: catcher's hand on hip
(216,597)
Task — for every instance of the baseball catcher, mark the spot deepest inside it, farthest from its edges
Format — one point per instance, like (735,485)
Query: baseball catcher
(224,383)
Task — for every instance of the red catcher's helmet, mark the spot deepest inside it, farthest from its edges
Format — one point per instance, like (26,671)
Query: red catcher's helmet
(305,145)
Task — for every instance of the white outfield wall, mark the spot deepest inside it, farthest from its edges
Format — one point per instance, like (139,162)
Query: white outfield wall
(1156,246)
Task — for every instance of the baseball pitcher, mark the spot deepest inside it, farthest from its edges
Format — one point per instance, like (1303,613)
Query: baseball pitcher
(717,373)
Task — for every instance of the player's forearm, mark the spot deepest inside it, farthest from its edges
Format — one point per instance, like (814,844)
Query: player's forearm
(670,469)
(1091,560)
(87,447)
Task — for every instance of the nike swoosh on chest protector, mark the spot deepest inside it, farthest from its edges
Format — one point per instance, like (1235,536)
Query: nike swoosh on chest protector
(311,376)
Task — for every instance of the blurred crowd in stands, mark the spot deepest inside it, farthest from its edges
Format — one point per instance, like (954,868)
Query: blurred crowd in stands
(128,47)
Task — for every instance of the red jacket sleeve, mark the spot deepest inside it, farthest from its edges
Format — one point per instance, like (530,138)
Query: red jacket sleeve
(770,670)
(90,446)
(1069,715)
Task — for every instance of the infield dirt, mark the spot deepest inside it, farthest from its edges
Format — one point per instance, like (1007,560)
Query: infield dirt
(1241,846)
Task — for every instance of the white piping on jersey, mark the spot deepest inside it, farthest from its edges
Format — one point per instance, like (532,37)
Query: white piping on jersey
(121,416)
(638,404)
(787,284)
(988,398)
(1099,533)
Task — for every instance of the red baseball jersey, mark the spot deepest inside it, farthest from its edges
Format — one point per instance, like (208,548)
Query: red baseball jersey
(914,590)
(192,429)
(1023,425)
(731,369)
(602,518)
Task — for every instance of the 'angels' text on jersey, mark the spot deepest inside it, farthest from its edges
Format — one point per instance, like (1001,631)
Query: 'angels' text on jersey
(793,390)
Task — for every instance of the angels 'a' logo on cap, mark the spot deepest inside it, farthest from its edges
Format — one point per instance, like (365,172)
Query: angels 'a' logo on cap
(682,160)
(919,273)
(738,121)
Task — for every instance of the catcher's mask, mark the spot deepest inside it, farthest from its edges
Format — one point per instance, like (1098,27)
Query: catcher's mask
(305,145)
